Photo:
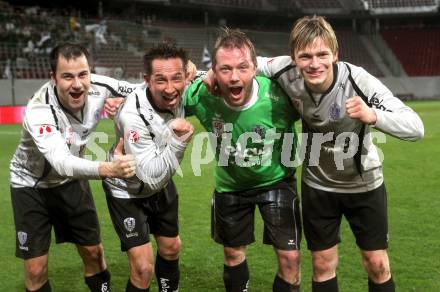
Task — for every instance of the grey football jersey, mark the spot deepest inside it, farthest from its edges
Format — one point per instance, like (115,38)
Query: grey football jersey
(339,154)
(147,136)
(53,140)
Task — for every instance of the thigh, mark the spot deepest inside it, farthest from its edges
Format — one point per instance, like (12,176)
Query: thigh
(322,215)
(279,209)
(32,222)
(74,214)
(367,215)
(232,219)
(129,221)
(162,212)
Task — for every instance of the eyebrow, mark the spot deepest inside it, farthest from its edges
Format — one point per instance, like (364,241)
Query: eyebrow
(178,74)
(72,74)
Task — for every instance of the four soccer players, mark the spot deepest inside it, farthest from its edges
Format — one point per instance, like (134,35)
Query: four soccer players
(251,121)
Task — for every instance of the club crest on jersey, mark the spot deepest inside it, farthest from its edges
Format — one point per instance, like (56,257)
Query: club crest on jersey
(260,130)
(334,113)
(45,130)
(97,114)
(129,224)
(218,126)
(132,136)
(22,238)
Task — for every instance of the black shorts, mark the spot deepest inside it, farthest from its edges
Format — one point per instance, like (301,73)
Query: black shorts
(365,212)
(69,208)
(135,219)
(232,216)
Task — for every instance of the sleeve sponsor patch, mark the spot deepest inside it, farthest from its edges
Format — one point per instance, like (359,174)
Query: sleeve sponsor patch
(44,130)
(132,136)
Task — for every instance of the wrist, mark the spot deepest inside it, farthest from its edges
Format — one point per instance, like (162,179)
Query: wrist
(105,169)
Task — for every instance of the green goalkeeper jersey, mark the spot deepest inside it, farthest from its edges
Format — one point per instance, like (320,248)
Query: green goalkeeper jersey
(254,143)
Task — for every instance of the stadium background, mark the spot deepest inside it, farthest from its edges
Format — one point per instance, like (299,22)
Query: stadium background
(396,40)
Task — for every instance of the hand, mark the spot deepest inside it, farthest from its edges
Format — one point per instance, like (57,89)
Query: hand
(191,71)
(182,129)
(112,105)
(123,165)
(357,109)
(211,83)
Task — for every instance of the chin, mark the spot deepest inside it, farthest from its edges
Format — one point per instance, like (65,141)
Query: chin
(236,102)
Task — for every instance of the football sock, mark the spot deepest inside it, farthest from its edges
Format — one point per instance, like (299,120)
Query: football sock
(387,286)
(132,288)
(167,274)
(99,282)
(279,285)
(45,288)
(236,278)
(330,285)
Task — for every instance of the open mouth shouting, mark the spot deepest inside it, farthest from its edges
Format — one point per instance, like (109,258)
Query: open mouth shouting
(236,91)
(169,98)
(170,101)
(76,95)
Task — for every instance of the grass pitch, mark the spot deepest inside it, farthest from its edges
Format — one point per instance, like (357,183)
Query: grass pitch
(412,173)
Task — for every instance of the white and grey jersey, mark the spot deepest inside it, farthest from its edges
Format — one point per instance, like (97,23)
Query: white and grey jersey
(147,136)
(53,140)
(340,156)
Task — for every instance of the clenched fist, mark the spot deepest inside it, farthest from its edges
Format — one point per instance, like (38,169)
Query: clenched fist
(357,109)
(112,105)
(182,129)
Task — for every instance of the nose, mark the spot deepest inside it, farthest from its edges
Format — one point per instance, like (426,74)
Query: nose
(234,75)
(169,88)
(314,62)
(76,83)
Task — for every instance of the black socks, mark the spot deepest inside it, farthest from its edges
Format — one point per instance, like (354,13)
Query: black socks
(99,282)
(236,278)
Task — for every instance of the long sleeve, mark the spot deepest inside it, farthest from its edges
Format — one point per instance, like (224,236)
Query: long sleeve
(393,116)
(155,165)
(52,145)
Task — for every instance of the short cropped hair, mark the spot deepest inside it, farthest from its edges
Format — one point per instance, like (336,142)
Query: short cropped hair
(307,29)
(164,50)
(68,51)
(233,38)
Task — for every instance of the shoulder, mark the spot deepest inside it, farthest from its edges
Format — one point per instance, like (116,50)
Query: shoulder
(42,95)
(129,105)
(269,85)
(195,92)
(366,82)
(276,63)
(114,86)
(196,86)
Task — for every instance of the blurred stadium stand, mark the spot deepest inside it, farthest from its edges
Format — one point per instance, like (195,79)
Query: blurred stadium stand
(391,39)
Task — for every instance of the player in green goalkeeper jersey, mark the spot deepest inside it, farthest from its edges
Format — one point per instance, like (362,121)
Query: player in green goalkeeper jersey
(252,125)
